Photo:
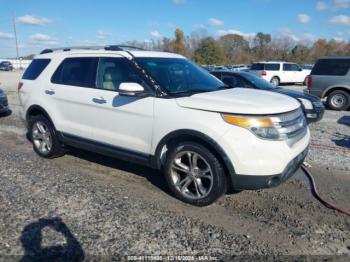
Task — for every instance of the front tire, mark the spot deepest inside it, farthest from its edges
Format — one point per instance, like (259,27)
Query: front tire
(338,100)
(194,174)
(42,134)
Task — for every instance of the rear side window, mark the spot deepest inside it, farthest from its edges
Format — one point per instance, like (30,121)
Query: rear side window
(35,68)
(332,67)
(272,67)
(77,71)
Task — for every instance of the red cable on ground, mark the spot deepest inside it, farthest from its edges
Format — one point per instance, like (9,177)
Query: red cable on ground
(316,194)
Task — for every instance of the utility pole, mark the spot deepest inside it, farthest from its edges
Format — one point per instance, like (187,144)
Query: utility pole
(15,33)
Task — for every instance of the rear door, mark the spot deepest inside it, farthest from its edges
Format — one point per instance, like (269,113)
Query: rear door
(71,93)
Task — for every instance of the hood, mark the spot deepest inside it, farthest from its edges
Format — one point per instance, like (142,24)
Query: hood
(296,94)
(240,101)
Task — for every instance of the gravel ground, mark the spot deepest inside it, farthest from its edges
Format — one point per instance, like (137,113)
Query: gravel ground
(87,206)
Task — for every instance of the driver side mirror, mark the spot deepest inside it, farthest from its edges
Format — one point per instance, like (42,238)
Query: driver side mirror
(131,89)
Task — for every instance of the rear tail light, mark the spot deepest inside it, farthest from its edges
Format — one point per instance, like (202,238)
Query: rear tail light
(309,81)
(20,84)
(263,73)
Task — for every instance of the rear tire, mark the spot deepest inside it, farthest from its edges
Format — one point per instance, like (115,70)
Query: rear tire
(194,174)
(43,136)
(338,100)
(275,81)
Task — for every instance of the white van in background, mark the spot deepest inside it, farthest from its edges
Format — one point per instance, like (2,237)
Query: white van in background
(277,72)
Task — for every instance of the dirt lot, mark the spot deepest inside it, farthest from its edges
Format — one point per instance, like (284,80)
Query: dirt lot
(85,205)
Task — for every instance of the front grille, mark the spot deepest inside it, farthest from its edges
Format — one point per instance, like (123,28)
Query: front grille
(292,125)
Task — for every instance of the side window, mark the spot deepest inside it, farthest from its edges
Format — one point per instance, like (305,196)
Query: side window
(77,71)
(335,67)
(272,67)
(290,67)
(114,71)
(35,68)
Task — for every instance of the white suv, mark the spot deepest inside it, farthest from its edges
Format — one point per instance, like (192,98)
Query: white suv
(280,72)
(161,110)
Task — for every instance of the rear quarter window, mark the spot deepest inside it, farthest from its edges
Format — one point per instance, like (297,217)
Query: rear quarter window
(332,67)
(35,68)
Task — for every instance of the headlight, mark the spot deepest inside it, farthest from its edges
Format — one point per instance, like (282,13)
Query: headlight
(306,103)
(263,127)
(275,127)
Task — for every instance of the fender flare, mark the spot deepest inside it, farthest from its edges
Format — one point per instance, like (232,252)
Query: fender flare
(42,110)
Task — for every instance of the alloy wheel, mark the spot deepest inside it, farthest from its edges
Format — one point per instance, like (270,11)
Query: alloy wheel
(191,175)
(42,138)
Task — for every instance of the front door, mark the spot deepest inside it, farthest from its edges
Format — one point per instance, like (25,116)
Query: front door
(121,121)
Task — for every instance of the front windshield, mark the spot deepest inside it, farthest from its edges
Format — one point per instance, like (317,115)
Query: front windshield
(258,81)
(177,75)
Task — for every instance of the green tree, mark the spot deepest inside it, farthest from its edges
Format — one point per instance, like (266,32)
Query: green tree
(235,48)
(179,43)
(209,52)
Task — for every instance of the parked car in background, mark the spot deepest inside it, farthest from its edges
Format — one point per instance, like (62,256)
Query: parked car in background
(220,68)
(239,67)
(6,66)
(312,106)
(280,72)
(161,110)
(330,78)
(3,103)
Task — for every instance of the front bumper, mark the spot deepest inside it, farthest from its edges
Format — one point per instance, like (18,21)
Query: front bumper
(315,114)
(247,182)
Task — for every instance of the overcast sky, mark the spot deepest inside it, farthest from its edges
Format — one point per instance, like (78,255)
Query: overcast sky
(41,24)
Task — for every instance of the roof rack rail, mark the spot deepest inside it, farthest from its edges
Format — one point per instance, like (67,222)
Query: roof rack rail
(107,47)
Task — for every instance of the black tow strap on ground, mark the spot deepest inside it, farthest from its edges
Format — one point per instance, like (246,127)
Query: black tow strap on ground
(316,194)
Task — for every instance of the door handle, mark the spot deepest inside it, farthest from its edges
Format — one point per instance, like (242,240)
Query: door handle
(100,100)
(50,92)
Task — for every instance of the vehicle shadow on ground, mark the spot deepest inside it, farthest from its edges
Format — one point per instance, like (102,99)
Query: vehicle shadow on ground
(8,113)
(153,176)
(344,120)
(32,237)
(341,140)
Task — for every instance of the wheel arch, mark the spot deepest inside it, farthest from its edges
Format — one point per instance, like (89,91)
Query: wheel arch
(35,110)
(192,136)
(333,88)
(275,76)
